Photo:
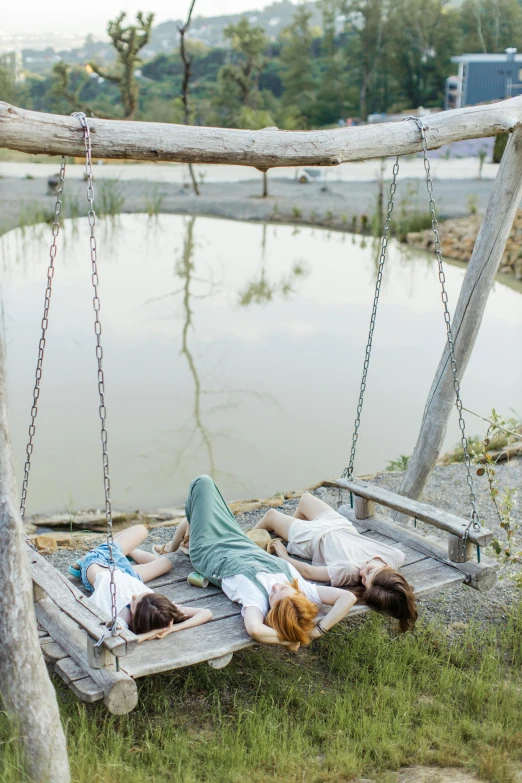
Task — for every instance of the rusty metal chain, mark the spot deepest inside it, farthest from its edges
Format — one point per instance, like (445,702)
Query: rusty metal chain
(99,356)
(43,338)
(348,471)
(474,520)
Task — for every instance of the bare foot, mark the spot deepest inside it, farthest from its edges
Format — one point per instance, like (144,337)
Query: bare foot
(162,549)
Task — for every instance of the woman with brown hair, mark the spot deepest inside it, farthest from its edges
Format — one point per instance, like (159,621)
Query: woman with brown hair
(343,557)
(278,605)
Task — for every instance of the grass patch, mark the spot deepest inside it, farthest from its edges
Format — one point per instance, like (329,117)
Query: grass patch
(111,199)
(359,702)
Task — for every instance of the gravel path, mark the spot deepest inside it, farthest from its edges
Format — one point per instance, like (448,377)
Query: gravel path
(456,605)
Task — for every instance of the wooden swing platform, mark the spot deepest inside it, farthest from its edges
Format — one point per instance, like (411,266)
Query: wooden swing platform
(70,625)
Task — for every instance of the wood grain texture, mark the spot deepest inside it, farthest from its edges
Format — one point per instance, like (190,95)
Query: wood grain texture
(75,604)
(195,645)
(53,134)
(481,576)
(120,693)
(476,286)
(413,508)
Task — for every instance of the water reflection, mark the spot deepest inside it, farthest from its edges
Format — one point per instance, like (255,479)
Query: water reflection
(233,349)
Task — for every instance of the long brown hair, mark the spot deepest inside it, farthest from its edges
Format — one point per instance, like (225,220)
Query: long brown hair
(389,593)
(153,612)
(293,617)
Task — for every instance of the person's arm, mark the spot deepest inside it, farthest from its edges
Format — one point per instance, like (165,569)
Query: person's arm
(341,602)
(179,536)
(256,628)
(317,573)
(194,617)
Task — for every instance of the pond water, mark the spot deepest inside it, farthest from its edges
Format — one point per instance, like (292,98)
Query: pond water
(230,348)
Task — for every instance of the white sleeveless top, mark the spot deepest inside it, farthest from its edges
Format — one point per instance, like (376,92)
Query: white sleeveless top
(331,540)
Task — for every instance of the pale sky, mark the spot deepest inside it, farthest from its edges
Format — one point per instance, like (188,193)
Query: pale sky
(34,17)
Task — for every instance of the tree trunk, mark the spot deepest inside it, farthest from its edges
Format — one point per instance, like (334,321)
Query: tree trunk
(25,687)
(479,278)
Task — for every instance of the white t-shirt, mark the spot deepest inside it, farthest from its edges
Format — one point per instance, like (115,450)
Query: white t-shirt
(126,587)
(243,591)
(331,540)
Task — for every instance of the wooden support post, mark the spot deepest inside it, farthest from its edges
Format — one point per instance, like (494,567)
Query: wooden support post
(98,657)
(26,691)
(480,275)
(220,663)
(458,551)
(363,508)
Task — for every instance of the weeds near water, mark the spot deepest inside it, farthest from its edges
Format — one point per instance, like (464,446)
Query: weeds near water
(111,199)
(153,203)
(401,463)
(32,214)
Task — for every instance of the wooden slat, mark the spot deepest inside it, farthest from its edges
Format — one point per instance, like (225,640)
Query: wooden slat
(412,508)
(481,576)
(82,686)
(75,604)
(188,647)
(181,568)
(410,555)
(182,592)
(219,605)
(433,576)
(52,651)
(120,693)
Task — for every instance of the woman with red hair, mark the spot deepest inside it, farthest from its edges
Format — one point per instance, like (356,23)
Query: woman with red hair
(278,605)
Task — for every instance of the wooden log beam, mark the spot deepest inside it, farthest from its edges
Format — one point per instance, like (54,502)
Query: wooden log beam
(481,576)
(412,508)
(120,693)
(479,278)
(53,134)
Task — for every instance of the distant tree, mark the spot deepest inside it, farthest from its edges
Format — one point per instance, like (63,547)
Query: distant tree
(297,62)
(66,87)
(365,50)
(128,42)
(490,25)
(185,84)
(422,36)
(242,75)
(332,103)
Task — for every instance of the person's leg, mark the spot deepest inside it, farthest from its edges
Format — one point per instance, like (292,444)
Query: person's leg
(131,538)
(310,507)
(182,531)
(154,568)
(140,557)
(275,522)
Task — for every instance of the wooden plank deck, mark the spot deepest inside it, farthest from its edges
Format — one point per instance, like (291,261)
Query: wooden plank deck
(225,633)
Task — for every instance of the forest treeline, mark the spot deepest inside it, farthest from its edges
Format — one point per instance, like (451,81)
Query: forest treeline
(367,56)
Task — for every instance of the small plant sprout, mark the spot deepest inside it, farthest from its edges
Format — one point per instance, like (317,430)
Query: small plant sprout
(329,215)
(153,203)
(296,212)
(364,222)
(482,155)
(472,202)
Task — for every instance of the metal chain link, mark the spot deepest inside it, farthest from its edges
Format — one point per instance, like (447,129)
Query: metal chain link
(474,520)
(41,345)
(99,356)
(348,471)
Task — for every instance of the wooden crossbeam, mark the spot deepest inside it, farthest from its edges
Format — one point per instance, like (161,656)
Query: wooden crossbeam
(53,134)
(413,508)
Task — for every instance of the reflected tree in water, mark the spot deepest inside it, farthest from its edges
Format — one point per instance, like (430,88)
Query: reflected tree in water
(261,290)
(185,272)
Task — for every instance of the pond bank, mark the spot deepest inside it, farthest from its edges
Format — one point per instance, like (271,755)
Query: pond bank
(324,204)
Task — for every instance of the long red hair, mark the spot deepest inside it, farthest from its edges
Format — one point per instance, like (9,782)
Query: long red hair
(293,617)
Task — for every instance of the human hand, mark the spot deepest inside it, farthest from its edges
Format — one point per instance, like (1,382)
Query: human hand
(293,646)
(315,633)
(278,548)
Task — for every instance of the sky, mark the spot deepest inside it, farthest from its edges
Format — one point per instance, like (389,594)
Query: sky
(34,17)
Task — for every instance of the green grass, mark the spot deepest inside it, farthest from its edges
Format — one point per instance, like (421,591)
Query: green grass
(111,200)
(360,702)
(153,203)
